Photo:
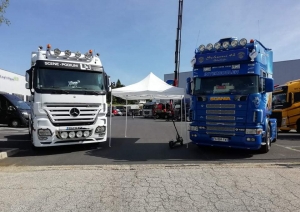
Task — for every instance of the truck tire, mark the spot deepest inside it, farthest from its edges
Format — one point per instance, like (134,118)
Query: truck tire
(265,148)
(298,126)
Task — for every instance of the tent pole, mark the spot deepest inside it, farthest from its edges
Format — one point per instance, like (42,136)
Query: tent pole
(126,120)
(111,97)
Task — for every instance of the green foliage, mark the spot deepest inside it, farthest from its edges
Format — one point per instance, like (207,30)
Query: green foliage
(116,100)
(3,5)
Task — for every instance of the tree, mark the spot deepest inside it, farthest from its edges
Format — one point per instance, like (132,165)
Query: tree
(3,5)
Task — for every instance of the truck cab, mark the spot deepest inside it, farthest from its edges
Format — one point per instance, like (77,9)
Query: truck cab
(231,92)
(286,106)
(68,98)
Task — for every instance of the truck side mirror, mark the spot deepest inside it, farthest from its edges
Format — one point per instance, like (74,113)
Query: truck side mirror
(269,85)
(188,86)
(28,78)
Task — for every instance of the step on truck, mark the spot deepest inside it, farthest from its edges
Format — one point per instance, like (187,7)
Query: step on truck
(68,98)
(231,91)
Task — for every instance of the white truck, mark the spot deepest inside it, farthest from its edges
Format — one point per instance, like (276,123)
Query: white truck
(68,98)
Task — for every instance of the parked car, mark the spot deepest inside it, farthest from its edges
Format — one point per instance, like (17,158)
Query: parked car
(13,111)
(119,113)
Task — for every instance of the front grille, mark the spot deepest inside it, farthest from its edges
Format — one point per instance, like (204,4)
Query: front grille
(146,112)
(59,114)
(220,118)
(221,123)
(277,115)
(221,112)
(218,128)
(220,106)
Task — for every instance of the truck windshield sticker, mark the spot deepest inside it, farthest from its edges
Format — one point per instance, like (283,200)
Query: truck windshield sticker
(73,84)
(218,73)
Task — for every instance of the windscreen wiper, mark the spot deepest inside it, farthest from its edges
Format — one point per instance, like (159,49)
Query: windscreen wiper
(60,91)
(92,92)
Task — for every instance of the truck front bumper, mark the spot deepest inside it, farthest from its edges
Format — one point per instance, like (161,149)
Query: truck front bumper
(250,141)
(57,139)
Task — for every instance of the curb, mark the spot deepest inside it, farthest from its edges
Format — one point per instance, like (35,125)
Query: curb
(4,153)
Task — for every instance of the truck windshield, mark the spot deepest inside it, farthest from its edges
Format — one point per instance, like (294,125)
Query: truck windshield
(279,100)
(148,106)
(69,79)
(241,85)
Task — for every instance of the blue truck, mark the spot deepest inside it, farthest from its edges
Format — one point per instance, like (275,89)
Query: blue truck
(231,92)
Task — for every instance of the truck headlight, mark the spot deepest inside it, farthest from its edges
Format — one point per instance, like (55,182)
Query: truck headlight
(193,128)
(44,132)
(254,131)
(201,48)
(243,42)
(100,129)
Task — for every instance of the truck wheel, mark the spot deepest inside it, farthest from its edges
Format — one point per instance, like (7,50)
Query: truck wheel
(298,126)
(14,123)
(265,148)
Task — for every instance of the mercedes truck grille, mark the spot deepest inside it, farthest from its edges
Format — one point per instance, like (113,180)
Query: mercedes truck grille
(72,114)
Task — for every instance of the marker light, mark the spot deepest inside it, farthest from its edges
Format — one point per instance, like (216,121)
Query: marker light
(49,46)
(72,134)
(217,45)
(243,42)
(57,52)
(86,133)
(77,54)
(251,41)
(209,46)
(201,48)
(234,43)
(79,134)
(68,53)
(225,44)
(64,135)
(91,51)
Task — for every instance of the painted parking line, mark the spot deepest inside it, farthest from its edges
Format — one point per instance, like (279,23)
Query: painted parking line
(289,147)
(5,139)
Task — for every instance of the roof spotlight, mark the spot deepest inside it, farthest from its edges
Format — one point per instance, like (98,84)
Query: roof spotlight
(201,48)
(57,52)
(243,42)
(68,53)
(225,44)
(77,54)
(209,46)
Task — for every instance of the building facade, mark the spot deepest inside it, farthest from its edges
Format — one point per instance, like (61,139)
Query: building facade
(13,84)
(284,71)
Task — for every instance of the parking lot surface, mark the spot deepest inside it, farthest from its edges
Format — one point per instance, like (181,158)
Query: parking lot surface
(146,142)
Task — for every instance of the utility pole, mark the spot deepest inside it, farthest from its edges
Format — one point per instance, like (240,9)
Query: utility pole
(178,44)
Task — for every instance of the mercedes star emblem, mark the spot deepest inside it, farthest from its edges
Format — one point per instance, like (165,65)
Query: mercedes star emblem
(74,112)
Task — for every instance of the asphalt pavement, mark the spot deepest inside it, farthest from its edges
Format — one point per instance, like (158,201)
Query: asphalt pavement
(146,142)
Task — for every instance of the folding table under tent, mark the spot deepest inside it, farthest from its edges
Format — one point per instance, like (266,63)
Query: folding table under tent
(151,87)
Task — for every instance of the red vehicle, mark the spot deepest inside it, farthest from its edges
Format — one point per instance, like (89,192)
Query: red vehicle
(164,111)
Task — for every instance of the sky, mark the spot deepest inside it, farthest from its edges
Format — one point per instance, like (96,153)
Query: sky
(136,37)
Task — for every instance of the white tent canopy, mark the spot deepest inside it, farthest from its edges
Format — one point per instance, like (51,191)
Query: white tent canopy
(150,87)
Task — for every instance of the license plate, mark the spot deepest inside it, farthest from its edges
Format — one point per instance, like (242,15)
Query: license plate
(220,139)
